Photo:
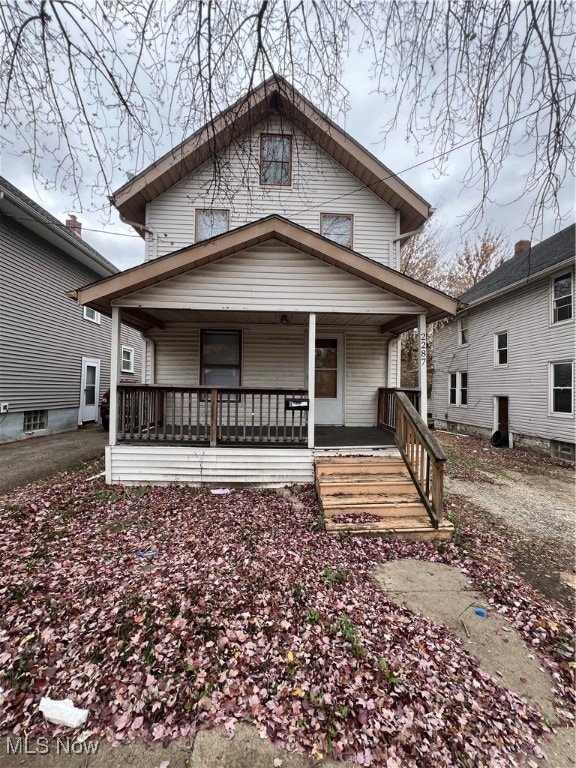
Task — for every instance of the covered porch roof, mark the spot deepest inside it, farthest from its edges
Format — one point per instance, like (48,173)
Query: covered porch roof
(103,294)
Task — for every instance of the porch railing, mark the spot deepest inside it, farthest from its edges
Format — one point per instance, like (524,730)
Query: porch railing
(215,415)
(387,405)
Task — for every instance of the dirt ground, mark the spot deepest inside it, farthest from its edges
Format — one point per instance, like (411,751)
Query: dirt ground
(528,499)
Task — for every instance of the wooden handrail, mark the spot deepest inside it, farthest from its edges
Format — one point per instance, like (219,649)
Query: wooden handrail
(422,454)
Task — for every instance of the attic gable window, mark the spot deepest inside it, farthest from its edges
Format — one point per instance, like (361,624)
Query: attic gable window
(337,227)
(211,222)
(275,159)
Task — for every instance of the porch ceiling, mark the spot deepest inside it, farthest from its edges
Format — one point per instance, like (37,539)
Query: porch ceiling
(297,319)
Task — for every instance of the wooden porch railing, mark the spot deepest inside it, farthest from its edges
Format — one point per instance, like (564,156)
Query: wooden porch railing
(155,413)
(419,448)
(387,405)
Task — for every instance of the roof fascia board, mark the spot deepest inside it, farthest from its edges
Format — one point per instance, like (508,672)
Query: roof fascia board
(303,112)
(463,307)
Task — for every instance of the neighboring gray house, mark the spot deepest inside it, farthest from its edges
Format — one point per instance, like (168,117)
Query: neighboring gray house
(506,364)
(54,355)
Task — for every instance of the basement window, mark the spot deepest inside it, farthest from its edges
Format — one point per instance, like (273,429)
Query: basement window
(562,450)
(34,421)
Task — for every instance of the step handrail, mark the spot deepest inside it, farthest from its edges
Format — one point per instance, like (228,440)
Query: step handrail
(423,456)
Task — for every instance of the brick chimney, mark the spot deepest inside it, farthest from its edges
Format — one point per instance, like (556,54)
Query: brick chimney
(74,226)
(521,246)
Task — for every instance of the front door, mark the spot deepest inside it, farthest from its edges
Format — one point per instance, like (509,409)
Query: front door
(329,379)
(89,390)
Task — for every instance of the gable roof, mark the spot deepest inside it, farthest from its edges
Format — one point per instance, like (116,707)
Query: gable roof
(100,295)
(527,264)
(18,206)
(271,97)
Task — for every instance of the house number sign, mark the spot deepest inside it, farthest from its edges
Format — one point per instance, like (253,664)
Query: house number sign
(423,346)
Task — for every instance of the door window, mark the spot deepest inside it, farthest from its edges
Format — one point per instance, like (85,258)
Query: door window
(90,390)
(326,377)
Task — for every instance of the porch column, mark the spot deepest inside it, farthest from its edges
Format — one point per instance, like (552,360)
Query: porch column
(311,376)
(114,366)
(422,378)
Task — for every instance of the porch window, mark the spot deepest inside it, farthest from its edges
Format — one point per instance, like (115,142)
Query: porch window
(275,159)
(337,227)
(501,349)
(326,376)
(458,388)
(561,375)
(220,356)
(211,222)
(562,298)
(463,329)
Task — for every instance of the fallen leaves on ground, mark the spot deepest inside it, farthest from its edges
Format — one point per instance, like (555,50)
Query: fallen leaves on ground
(246,611)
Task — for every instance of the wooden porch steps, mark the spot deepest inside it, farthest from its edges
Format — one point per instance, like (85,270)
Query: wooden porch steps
(375,496)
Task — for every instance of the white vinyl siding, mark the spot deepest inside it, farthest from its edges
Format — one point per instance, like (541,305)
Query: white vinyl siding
(525,314)
(275,356)
(319,184)
(272,277)
(165,464)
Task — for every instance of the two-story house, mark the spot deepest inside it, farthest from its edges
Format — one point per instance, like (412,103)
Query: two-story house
(54,356)
(505,367)
(270,298)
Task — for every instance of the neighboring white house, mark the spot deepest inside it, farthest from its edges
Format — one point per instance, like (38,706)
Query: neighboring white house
(506,364)
(270,297)
(54,356)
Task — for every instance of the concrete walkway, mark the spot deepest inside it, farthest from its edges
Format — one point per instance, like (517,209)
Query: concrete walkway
(27,460)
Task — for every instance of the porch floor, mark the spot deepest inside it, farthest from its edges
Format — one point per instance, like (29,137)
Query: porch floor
(352,437)
(272,437)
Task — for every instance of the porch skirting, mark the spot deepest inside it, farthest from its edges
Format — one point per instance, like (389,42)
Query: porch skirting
(129,464)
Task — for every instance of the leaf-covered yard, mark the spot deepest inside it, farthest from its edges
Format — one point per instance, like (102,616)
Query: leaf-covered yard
(243,609)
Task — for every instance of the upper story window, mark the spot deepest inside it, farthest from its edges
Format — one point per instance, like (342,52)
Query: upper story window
(127,365)
(561,386)
(211,222)
(463,329)
(458,388)
(92,315)
(501,348)
(275,159)
(562,302)
(337,227)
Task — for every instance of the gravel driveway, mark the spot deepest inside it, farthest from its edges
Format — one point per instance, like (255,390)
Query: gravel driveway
(537,503)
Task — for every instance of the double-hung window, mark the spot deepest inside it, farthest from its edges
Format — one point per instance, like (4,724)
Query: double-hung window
(275,159)
(211,222)
(127,365)
(501,348)
(220,358)
(562,301)
(562,387)
(458,388)
(463,329)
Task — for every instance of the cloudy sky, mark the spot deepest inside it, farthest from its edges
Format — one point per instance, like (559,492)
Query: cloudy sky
(507,212)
